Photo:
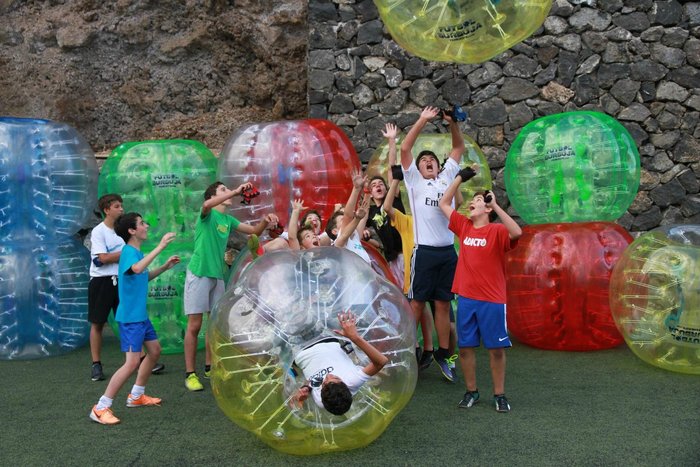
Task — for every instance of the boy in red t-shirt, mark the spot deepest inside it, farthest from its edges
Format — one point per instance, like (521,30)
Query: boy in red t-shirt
(480,282)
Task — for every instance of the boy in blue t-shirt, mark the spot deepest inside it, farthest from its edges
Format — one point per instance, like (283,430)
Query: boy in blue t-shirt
(135,329)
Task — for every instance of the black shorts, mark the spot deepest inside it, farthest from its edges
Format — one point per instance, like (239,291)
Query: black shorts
(432,273)
(103,296)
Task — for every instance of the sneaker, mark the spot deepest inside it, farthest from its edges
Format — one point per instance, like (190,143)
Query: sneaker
(452,361)
(192,383)
(207,373)
(142,401)
(425,360)
(445,369)
(97,374)
(501,403)
(103,417)
(254,245)
(470,398)
(158,368)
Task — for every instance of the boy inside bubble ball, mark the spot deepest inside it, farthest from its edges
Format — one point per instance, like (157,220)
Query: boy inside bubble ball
(332,378)
(135,329)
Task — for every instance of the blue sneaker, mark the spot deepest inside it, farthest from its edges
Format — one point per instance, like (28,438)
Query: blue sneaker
(445,369)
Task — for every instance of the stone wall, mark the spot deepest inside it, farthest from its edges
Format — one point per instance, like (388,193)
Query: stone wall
(636,60)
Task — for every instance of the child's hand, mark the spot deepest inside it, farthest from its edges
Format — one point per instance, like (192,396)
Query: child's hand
(390,131)
(271,219)
(358,180)
(348,324)
(167,238)
(172,261)
(298,205)
(396,172)
(297,400)
(228,256)
(242,188)
(363,209)
(337,207)
(489,199)
(429,113)
(366,234)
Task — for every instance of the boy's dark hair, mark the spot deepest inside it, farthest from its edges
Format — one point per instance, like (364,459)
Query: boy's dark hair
(336,398)
(331,225)
(211,190)
(307,214)
(106,201)
(378,177)
(124,223)
(492,215)
(303,229)
(427,153)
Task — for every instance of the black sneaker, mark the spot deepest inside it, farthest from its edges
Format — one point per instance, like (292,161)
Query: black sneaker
(425,360)
(470,398)
(501,403)
(445,369)
(158,368)
(97,374)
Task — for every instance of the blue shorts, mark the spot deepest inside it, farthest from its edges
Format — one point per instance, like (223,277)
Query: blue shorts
(133,335)
(432,273)
(477,320)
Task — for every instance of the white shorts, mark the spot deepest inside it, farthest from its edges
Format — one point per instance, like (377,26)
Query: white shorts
(201,293)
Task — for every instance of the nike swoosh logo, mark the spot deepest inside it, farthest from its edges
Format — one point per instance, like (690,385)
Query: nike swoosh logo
(501,339)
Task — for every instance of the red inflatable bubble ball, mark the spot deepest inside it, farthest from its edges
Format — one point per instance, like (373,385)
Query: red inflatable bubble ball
(308,159)
(558,285)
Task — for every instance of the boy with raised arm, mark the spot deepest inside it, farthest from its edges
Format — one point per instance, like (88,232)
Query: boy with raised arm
(135,329)
(434,257)
(480,282)
(345,227)
(204,283)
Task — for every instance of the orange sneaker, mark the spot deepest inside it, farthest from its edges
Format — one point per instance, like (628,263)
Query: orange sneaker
(104,416)
(142,401)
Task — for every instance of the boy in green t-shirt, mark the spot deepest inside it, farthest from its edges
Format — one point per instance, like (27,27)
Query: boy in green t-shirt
(204,284)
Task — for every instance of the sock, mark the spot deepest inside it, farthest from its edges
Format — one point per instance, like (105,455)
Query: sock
(499,395)
(95,363)
(137,391)
(427,354)
(441,354)
(187,373)
(104,403)
(207,367)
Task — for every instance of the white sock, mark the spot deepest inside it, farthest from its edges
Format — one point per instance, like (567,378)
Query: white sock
(137,391)
(104,403)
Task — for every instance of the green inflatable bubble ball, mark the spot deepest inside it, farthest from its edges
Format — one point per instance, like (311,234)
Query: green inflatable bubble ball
(572,167)
(461,31)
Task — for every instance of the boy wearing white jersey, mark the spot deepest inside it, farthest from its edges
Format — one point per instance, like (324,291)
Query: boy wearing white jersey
(434,258)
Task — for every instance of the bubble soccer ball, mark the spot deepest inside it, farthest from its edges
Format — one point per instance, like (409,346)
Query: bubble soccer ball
(441,145)
(281,302)
(163,180)
(558,278)
(459,31)
(655,298)
(308,159)
(43,299)
(572,167)
(49,177)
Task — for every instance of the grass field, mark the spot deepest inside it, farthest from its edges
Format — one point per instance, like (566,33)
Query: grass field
(596,408)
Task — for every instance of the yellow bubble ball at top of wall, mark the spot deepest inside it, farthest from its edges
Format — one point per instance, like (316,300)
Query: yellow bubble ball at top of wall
(463,31)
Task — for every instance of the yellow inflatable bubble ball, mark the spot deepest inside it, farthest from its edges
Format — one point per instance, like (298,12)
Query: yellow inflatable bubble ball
(464,31)
(655,297)
(278,316)
(440,144)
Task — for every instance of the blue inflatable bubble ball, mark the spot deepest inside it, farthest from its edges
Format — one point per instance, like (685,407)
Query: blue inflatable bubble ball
(49,180)
(285,302)
(572,167)
(43,299)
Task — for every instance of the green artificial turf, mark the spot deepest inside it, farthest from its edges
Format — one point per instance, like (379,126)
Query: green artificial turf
(593,408)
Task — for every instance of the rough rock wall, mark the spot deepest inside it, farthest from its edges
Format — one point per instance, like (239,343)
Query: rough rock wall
(636,60)
(127,70)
